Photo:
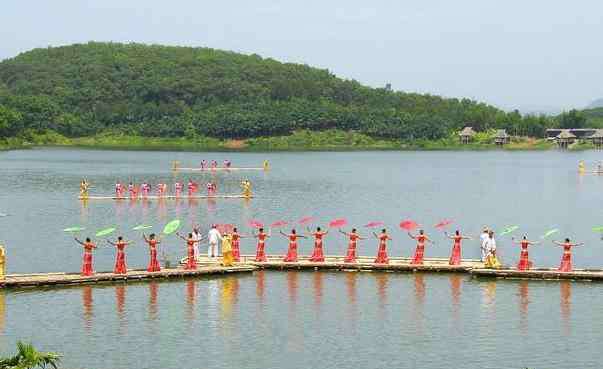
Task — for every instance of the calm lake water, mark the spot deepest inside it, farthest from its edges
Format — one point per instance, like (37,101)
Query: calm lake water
(298,320)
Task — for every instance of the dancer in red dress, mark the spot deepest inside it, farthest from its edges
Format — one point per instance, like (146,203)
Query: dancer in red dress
(153,242)
(192,188)
(420,250)
(455,256)
(178,189)
(291,256)
(383,237)
(351,255)
(87,260)
(260,254)
(120,258)
(191,263)
(318,254)
(524,259)
(566,259)
(236,242)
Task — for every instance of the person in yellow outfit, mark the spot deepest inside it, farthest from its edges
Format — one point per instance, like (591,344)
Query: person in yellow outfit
(246,186)
(581,167)
(84,186)
(492,261)
(227,258)
(266,165)
(2,263)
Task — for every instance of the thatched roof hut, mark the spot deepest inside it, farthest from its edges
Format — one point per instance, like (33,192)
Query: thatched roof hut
(501,137)
(565,138)
(597,138)
(466,134)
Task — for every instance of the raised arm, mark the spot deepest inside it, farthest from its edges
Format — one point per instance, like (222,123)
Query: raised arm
(78,241)
(411,236)
(375,234)
(110,243)
(557,243)
(179,235)
(144,237)
(281,232)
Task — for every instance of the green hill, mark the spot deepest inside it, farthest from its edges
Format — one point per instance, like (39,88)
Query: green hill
(160,91)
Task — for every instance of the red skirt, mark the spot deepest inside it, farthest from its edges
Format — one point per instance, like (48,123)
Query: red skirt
(317,254)
(566,262)
(291,256)
(524,261)
(191,263)
(87,264)
(260,255)
(419,252)
(120,263)
(455,257)
(382,254)
(236,253)
(350,257)
(153,263)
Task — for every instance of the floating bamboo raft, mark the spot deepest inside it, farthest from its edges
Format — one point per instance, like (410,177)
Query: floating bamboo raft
(58,279)
(166,197)
(219,169)
(547,274)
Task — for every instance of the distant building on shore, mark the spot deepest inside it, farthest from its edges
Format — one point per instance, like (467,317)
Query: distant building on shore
(466,135)
(501,138)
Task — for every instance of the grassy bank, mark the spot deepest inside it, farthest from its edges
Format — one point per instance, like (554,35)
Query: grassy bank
(302,140)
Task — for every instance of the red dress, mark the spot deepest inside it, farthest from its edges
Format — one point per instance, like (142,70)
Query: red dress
(260,255)
(153,263)
(191,263)
(236,253)
(420,251)
(382,251)
(455,257)
(351,254)
(291,256)
(318,255)
(524,260)
(120,259)
(87,261)
(566,259)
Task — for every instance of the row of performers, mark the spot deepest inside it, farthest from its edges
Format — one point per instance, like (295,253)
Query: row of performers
(231,249)
(144,189)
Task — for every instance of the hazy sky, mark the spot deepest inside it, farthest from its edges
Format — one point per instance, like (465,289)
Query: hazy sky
(526,54)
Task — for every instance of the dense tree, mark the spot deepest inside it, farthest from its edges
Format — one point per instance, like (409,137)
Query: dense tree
(155,90)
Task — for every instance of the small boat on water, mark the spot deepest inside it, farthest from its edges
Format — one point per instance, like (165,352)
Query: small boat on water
(176,167)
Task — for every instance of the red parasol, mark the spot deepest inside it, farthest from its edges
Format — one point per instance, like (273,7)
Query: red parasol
(443,223)
(278,224)
(255,224)
(408,225)
(225,228)
(305,220)
(338,223)
(373,224)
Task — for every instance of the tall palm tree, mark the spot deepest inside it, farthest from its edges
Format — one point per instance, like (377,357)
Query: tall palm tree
(27,357)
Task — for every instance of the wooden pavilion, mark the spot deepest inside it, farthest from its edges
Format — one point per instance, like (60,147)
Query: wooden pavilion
(565,138)
(466,135)
(597,138)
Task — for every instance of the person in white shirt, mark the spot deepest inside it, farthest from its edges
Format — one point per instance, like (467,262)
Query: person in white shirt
(484,237)
(196,237)
(214,237)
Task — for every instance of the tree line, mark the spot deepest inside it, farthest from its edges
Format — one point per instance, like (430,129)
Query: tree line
(164,91)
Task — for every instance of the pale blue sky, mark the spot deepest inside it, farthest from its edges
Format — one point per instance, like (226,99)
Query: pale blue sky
(527,54)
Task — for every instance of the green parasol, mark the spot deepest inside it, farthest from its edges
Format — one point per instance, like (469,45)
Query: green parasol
(598,229)
(551,232)
(508,230)
(105,232)
(73,229)
(171,227)
(142,227)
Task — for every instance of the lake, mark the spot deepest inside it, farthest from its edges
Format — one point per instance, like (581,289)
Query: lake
(301,319)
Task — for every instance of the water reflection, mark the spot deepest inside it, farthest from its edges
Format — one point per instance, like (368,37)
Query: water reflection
(2,312)
(292,282)
(191,296)
(84,211)
(566,306)
(153,289)
(230,290)
(260,285)
(87,304)
(455,294)
(381,280)
(524,301)
(317,284)
(418,306)
(211,205)
(120,304)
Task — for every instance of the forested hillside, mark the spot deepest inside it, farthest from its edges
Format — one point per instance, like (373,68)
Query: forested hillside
(161,91)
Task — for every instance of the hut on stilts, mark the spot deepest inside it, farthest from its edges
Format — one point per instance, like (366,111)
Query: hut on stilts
(466,135)
(565,138)
(501,138)
(597,139)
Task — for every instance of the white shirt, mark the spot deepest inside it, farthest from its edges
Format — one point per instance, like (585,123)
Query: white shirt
(484,237)
(214,235)
(491,245)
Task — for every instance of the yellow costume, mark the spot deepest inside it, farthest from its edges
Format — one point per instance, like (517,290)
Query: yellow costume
(2,263)
(246,185)
(266,165)
(227,258)
(84,189)
(581,166)
(492,262)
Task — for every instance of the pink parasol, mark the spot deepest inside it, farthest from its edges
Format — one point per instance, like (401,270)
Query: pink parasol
(255,224)
(408,225)
(338,223)
(305,220)
(373,224)
(225,228)
(443,223)
(278,224)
